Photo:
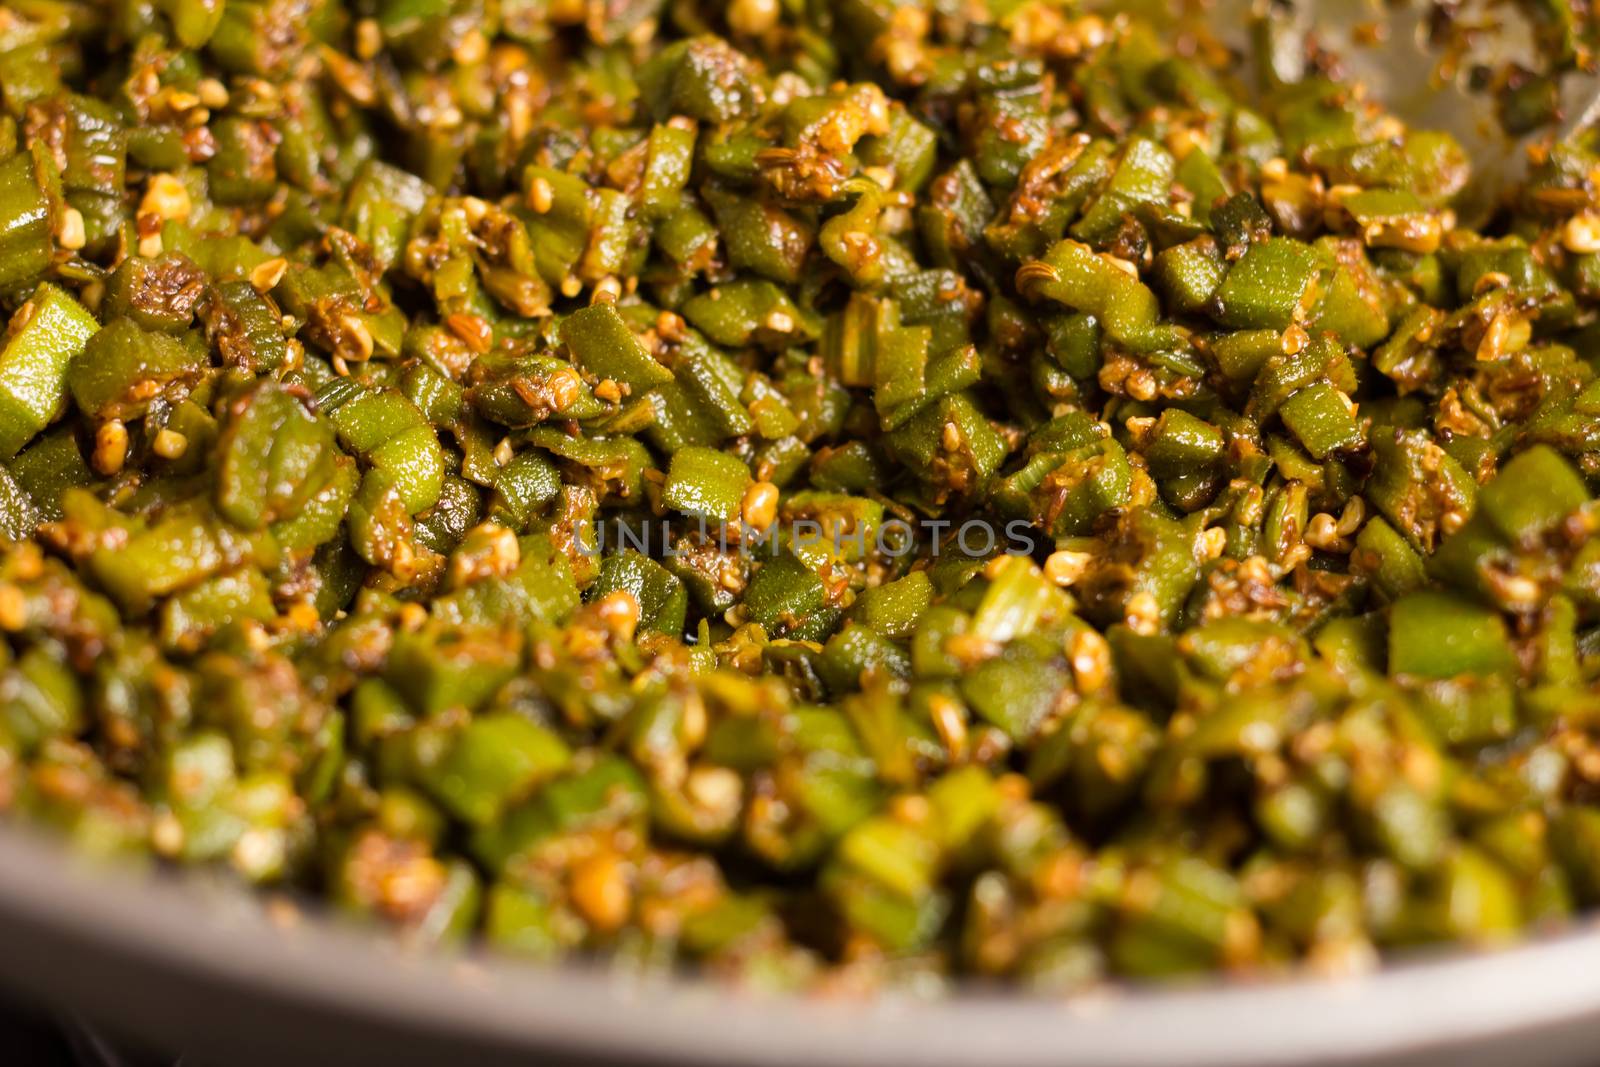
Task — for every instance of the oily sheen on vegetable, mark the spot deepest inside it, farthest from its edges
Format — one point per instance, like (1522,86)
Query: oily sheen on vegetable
(1243,611)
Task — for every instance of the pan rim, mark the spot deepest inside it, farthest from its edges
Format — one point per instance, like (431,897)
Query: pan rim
(219,933)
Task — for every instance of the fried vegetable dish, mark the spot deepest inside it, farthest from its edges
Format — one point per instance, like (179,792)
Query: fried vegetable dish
(827,493)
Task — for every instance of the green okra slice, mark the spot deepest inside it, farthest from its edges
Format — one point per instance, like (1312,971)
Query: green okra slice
(45,335)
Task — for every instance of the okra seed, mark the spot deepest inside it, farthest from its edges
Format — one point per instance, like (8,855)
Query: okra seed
(752,17)
(601,892)
(1065,567)
(13,608)
(760,505)
(110,447)
(620,612)
(70,233)
(169,444)
(541,195)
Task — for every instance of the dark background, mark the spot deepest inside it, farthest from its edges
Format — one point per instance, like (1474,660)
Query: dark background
(32,1036)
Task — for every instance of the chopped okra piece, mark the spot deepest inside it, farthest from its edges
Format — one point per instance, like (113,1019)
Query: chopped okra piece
(45,335)
(707,483)
(1265,289)
(494,761)
(1320,417)
(605,349)
(1434,635)
(30,195)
